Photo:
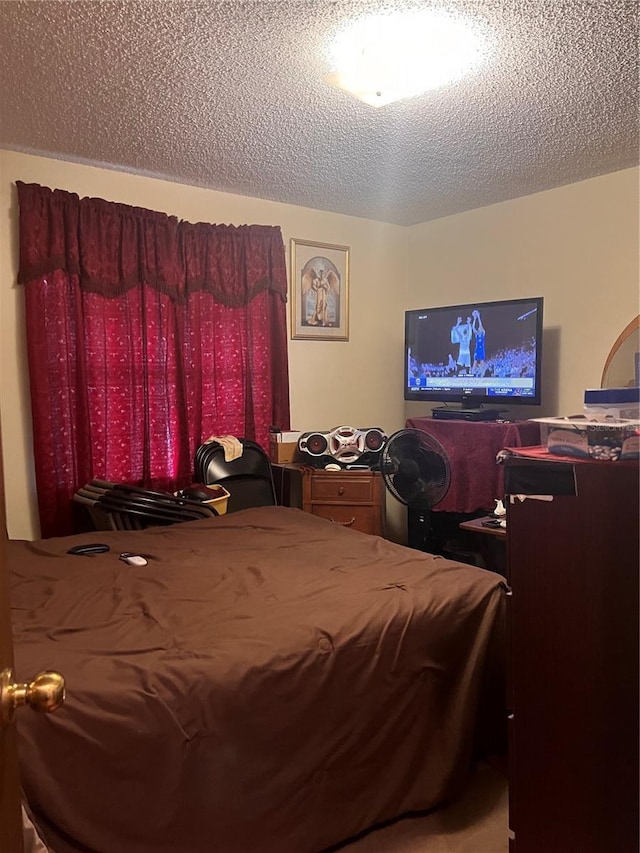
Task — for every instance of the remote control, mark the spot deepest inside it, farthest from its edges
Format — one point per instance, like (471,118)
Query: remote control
(133,559)
(88,550)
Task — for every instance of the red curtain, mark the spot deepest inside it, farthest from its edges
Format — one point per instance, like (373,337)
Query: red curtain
(145,336)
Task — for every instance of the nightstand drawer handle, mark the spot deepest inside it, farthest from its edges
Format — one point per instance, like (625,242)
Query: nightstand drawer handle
(341,490)
(344,523)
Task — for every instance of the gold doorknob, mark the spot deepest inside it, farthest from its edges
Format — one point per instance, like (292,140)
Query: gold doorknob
(45,694)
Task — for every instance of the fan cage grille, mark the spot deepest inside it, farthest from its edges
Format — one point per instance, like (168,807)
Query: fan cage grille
(415,468)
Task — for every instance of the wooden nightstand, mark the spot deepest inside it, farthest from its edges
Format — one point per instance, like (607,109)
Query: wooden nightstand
(354,499)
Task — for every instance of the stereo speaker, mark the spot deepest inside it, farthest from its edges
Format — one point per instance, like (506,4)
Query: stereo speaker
(344,445)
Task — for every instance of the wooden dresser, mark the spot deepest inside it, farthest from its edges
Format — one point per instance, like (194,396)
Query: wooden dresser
(573,565)
(354,499)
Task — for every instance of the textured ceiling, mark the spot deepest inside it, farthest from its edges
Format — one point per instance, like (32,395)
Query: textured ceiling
(230,95)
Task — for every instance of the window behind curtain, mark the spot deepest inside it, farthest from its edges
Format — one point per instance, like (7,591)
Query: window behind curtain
(145,336)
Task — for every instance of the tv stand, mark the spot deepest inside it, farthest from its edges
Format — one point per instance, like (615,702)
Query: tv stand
(476,480)
(451,413)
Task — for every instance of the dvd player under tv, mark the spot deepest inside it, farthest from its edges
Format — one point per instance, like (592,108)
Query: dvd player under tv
(467,414)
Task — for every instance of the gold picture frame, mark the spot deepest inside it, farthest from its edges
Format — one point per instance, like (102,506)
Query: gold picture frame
(319,291)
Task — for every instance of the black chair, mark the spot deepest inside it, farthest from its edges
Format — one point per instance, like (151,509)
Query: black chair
(118,506)
(98,517)
(248,479)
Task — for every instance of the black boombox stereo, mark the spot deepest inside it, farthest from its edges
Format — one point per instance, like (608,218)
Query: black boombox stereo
(343,445)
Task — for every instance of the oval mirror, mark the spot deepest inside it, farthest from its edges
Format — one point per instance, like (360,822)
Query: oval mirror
(622,367)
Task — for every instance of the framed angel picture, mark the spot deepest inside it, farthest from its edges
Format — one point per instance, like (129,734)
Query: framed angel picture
(319,291)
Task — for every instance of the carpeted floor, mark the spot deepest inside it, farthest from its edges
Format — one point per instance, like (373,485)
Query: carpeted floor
(476,823)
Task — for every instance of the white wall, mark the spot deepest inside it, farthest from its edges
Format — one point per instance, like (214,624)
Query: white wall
(577,245)
(332,382)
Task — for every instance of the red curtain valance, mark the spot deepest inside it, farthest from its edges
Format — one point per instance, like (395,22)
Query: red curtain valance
(114,247)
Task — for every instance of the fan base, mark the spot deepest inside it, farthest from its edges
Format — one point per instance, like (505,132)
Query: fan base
(419,530)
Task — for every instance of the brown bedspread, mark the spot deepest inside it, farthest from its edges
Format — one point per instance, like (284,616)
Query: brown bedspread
(270,682)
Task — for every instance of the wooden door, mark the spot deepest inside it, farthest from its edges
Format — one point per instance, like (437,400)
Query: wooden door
(10,821)
(45,693)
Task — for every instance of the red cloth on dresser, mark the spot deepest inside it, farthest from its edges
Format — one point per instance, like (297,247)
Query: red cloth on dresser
(476,479)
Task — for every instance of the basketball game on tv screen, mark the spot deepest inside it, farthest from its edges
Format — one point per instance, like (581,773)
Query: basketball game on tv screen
(484,349)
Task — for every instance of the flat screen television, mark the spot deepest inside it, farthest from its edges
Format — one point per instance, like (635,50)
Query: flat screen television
(478,354)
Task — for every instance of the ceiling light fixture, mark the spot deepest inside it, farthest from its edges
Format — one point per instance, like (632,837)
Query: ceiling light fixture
(389,57)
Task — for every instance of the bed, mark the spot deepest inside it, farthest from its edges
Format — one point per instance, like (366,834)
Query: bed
(270,681)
